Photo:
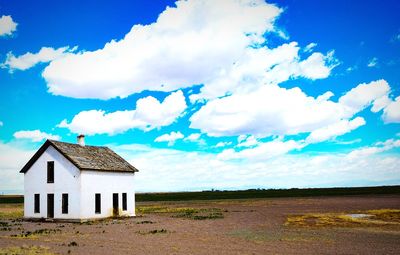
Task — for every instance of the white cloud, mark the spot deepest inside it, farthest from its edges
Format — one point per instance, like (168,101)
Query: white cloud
(35,135)
(149,114)
(310,47)
(364,95)
(174,170)
(7,25)
(222,144)
(337,129)
(195,137)
(352,68)
(272,110)
(371,150)
(1,123)
(12,159)
(170,138)
(28,60)
(248,141)
(262,66)
(373,62)
(262,151)
(391,113)
(176,51)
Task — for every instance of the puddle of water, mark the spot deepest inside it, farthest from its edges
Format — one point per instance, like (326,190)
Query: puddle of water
(359,215)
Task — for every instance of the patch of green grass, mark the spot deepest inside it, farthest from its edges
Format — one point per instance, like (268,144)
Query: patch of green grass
(184,212)
(73,243)
(155,231)
(204,214)
(35,234)
(26,250)
(4,224)
(145,222)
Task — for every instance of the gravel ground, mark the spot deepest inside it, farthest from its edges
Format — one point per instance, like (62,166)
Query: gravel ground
(246,227)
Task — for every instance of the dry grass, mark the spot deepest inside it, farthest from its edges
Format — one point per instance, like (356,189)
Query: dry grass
(377,218)
(11,211)
(25,250)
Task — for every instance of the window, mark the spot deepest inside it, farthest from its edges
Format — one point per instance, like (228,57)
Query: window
(97,203)
(124,202)
(50,171)
(37,203)
(64,208)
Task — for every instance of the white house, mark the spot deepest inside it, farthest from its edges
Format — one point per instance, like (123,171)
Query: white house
(76,182)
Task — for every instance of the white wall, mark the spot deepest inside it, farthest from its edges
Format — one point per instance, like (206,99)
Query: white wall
(66,180)
(106,183)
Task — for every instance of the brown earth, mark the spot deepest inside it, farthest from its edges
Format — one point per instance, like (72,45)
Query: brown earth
(256,226)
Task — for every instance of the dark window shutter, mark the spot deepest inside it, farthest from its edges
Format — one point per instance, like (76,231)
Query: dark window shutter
(65,203)
(37,203)
(50,171)
(97,203)
(124,202)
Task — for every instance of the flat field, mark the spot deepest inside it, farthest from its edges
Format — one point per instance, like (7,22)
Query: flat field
(368,224)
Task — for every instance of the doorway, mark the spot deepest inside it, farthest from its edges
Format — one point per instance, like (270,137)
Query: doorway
(115,204)
(50,206)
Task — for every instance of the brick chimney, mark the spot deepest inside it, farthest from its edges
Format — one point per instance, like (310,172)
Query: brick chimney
(81,140)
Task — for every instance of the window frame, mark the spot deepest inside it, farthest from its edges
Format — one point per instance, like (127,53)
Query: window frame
(64,203)
(36,203)
(50,171)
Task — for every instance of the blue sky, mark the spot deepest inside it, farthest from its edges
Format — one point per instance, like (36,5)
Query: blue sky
(207,94)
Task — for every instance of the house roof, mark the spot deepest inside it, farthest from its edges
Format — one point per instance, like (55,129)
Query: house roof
(97,158)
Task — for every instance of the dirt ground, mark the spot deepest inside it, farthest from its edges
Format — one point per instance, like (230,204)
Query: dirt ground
(259,226)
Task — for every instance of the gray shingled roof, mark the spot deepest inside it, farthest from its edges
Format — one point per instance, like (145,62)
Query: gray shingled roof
(97,158)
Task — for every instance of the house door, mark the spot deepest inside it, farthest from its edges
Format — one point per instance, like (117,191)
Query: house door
(115,204)
(50,205)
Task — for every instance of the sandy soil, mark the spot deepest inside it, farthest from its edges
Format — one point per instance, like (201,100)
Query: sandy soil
(247,227)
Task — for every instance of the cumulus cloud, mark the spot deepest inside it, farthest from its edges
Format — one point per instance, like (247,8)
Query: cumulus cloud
(262,151)
(272,110)
(222,144)
(170,138)
(391,113)
(174,52)
(337,129)
(365,94)
(149,114)
(193,137)
(248,141)
(28,60)
(200,171)
(7,25)
(262,66)
(35,135)
(12,159)
(375,149)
